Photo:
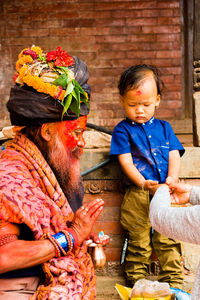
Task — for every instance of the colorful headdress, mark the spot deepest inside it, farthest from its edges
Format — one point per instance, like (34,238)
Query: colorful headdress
(55,74)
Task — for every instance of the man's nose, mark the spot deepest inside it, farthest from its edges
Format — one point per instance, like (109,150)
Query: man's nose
(81,141)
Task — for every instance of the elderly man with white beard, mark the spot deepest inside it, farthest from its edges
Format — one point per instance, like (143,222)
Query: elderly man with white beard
(43,223)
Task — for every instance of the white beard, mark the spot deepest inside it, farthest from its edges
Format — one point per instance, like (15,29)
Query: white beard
(65,163)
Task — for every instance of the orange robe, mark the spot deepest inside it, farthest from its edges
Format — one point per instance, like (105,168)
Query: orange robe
(30,194)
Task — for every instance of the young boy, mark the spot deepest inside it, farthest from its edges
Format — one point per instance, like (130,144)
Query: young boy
(149,153)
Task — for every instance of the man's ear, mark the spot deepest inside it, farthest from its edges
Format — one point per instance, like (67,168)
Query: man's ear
(47,131)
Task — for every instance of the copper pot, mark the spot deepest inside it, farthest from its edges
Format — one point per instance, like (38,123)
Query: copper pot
(98,256)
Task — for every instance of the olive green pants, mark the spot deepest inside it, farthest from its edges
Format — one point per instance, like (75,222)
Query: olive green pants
(135,220)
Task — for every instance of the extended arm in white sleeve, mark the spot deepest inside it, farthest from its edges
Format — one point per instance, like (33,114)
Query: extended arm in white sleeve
(180,223)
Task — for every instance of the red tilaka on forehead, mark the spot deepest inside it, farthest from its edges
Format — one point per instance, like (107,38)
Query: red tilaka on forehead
(76,124)
(138,92)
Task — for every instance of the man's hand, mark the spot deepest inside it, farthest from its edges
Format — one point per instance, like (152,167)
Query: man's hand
(180,193)
(85,218)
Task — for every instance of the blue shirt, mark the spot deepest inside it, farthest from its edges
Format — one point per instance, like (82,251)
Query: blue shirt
(149,143)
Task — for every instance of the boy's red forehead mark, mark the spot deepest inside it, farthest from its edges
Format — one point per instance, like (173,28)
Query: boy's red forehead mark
(138,92)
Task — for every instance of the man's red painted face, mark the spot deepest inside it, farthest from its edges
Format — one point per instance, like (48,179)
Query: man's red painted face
(71,132)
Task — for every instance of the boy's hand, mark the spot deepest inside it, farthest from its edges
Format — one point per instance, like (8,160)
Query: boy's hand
(170,180)
(151,186)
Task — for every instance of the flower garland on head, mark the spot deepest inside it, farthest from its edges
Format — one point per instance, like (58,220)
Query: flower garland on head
(49,73)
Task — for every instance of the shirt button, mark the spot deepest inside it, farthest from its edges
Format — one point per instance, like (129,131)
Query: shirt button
(154,154)
(159,170)
(149,136)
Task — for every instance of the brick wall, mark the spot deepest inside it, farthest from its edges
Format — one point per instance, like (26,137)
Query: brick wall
(108,35)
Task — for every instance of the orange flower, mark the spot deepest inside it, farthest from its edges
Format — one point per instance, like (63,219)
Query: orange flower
(23,60)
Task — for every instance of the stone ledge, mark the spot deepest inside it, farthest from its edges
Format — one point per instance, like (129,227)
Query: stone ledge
(190,164)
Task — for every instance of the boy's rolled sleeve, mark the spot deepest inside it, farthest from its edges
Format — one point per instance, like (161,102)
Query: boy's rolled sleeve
(120,142)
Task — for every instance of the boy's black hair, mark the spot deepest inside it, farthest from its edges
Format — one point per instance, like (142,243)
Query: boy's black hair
(131,77)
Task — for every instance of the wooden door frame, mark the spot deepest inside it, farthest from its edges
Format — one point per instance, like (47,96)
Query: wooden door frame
(187,21)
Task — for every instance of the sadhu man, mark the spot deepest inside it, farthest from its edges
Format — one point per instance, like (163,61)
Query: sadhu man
(43,224)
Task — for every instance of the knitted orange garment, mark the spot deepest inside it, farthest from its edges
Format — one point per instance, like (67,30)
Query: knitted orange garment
(30,194)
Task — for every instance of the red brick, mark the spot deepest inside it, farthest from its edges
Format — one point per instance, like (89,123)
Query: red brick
(92,14)
(172,95)
(139,54)
(157,12)
(109,22)
(169,21)
(167,79)
(165,113)
(173,104)
(161,29)
(125,63)
(74,22)
(176,12)
(161,63)
(111,39)
(136,38)
(141,21)
(28,33)
(113,254)
(123,5)
(168,4)
(127,13)
(171,37)
(168,54)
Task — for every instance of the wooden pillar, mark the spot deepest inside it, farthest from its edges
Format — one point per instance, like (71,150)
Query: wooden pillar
(196,94)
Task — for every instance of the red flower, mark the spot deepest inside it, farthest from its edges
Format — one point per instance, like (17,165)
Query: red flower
(60,58)
(59,91)
(15,76)
(30,52)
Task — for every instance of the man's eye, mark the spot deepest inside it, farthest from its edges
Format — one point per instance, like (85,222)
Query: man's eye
(78,132)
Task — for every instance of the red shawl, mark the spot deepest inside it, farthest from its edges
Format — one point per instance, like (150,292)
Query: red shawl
(30,194)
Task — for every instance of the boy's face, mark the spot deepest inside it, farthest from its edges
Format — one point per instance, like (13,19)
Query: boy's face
(140,103)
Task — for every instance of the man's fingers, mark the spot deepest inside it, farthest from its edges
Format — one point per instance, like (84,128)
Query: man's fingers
(95,205)
(96,214)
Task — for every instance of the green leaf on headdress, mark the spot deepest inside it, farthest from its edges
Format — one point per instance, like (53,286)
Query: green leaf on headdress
(75,107)
(79,87)
(61,81)
(70,88)
(75,95)
(86,102)
(42,58)
(65,69)
(66,103)
(76,90)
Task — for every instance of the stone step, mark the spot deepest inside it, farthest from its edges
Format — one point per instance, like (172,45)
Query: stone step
(106,287)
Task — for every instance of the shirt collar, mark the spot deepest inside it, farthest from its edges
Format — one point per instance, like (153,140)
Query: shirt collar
(143,124)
